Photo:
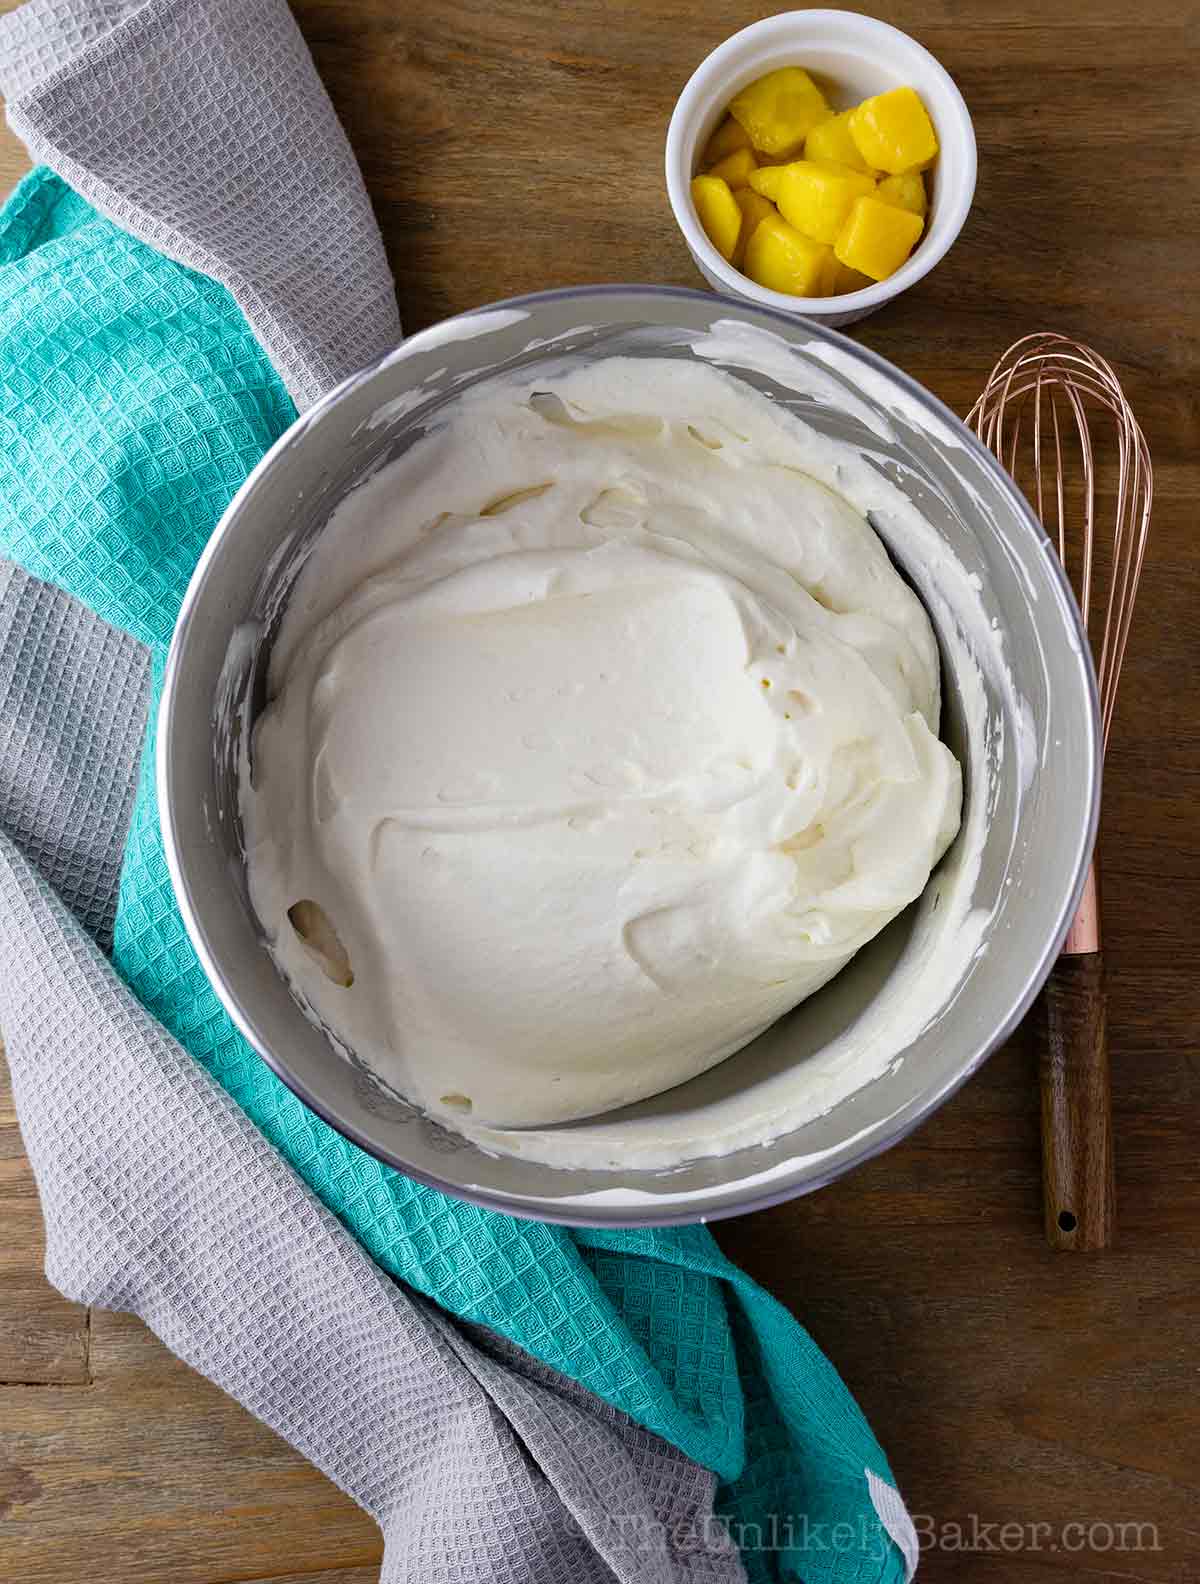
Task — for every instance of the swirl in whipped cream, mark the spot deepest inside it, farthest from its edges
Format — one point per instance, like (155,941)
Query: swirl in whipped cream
(601,734)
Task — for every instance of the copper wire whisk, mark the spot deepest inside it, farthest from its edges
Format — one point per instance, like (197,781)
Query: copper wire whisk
(1037,413)
(1059,374)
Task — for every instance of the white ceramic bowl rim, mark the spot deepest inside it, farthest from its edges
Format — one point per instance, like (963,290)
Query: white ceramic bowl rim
(709,82)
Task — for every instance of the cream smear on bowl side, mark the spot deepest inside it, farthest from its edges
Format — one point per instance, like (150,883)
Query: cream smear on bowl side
(719,410)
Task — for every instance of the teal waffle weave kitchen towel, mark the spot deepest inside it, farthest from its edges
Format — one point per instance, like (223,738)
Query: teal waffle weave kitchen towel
(136,394)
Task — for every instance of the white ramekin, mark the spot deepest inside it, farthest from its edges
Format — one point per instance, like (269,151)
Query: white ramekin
(851,57)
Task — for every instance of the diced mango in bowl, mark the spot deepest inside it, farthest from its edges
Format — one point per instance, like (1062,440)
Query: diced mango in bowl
(830,140)
(735,168)
(893,131)
(811,201)
(817,199)
(784,259)
(877,238)
(727,139)
(767,180)
(719,213)
(754,208)
(848,280)
(906,191)
(779,110)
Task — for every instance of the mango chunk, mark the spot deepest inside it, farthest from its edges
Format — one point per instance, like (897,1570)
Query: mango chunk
(827,285)
(784,260)
(719,213)
(780,109)
(906,191)
(767,180)
(877,238)
(830,141)
(735,168)
(755,208)
(849,280)
(893,131)
(727,139)
(817,199)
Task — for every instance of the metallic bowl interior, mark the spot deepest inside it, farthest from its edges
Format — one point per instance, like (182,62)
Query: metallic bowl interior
(1039,837)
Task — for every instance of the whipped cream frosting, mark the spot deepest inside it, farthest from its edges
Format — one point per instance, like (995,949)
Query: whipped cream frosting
(600,733)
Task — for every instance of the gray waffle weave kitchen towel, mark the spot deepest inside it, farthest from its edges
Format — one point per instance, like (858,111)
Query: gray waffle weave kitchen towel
(201,126)
(478,1463)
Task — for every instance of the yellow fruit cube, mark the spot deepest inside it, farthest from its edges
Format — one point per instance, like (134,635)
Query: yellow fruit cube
(830,270)
(727,139)
(817,199)
(767,180)
(877,238)
(780,109)
(893,131)
(735,168)
(906,191)
(849,280)
(719,213)
(784,260)
(830,142)
(755,208)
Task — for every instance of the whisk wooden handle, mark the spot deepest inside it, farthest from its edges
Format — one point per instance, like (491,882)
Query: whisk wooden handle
(1077,1147)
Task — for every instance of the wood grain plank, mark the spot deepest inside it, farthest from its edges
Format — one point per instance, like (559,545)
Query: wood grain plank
(158,1471)
(14,161)
(354,1575)
(43,1338)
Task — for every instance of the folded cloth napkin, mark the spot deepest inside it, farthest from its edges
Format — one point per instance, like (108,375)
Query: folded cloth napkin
(207,266)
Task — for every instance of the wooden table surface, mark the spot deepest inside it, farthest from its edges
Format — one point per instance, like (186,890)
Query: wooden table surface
(515,145)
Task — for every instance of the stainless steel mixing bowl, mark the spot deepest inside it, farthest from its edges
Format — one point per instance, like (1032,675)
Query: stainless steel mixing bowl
(1043,801)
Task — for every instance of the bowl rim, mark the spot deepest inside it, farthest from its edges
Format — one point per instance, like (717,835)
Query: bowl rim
(867,299)
(886,1134)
